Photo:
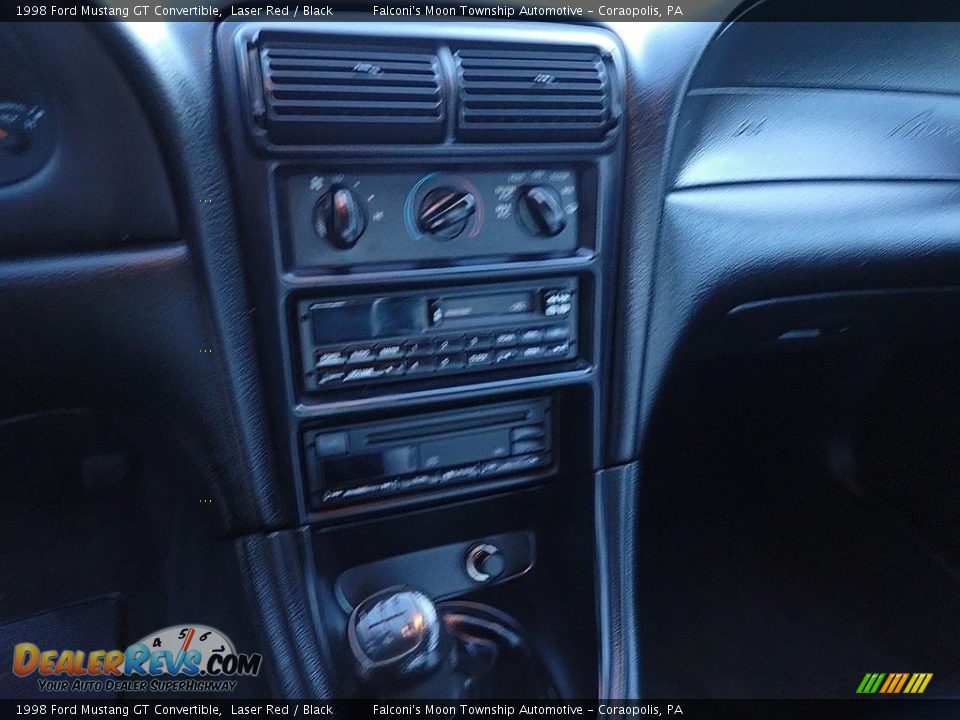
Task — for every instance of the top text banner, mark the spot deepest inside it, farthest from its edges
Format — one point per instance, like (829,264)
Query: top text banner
(540,10)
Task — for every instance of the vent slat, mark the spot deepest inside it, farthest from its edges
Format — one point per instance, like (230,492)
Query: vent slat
(509,115)
(523,94)
(544,65)
(382,68)
(521,101)
(319,106)
(477,76)
(335,92)
(326,94)
(538,54)
(280,51)
(351,76)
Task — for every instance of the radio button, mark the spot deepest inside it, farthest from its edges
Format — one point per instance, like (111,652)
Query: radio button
(480,358)
(534,351)
(363,373)
(557,297)
(527,446)
(421,365)
(394,369)
(421,348)
(531,337)
(359,355)
(521,462)
(331,496)
(390,486)
(505,356)
(389,352)
(450,344)
(505,339)
(418,481)
(436,312)
(448,362)
(558,350)
(331,359)
(331,377)
(462,473)
(478,342)
(330,444)
(359,491)
(556,332)
(527,432)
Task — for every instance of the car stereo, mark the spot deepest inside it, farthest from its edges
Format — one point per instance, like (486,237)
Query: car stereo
(408,335)
(358,463)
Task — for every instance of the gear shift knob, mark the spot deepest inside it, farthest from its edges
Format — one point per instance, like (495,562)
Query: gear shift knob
(396,637)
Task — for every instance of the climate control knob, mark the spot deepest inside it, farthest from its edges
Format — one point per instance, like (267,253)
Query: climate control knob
(444,212)
(339,217)
(540,211)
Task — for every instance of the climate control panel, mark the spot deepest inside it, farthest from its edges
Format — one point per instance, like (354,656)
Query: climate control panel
(358,218)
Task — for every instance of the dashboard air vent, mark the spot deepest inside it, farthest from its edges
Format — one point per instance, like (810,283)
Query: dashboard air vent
(316,94)
(532,95)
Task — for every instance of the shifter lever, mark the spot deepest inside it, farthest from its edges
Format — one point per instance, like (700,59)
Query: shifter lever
(396,638)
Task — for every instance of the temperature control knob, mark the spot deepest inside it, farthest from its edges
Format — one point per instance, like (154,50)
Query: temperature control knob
(540,211)
(444,212)
(339,217)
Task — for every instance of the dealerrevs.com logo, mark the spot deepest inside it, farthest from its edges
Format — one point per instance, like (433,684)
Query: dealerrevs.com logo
(184,658)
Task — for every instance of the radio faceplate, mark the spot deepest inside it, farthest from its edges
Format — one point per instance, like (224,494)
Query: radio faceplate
(353,341)
(428,452)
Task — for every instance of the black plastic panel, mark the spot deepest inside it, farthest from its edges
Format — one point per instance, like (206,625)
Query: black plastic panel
(391,201)
(726,246)
(901,56)
(730,135)
(830,319)
(440,572)
(808,158)
(96,178)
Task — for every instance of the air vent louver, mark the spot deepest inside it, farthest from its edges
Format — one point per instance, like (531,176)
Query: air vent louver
(315,94)
(532,95)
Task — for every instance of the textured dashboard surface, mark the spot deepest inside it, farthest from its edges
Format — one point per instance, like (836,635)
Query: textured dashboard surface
(808,158)
(105,184)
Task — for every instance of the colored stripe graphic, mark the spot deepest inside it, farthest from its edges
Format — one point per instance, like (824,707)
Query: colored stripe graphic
(870,683)
(894,683)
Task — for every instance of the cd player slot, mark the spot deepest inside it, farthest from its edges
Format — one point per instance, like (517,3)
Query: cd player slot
(482,421)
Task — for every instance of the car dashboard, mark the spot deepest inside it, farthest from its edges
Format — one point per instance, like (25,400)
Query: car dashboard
(496,320)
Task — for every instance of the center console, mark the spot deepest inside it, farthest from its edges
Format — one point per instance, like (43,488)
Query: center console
(430,225)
